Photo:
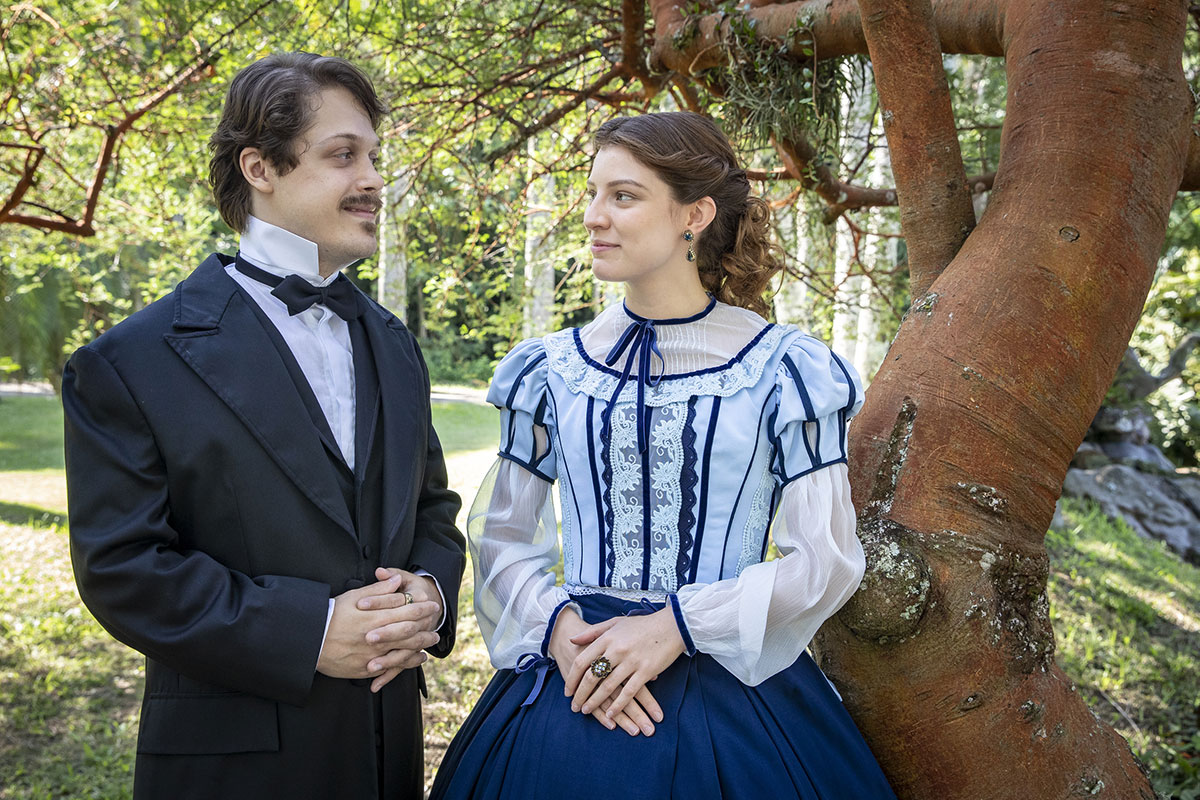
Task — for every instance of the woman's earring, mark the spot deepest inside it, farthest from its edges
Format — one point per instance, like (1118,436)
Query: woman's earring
(689,237)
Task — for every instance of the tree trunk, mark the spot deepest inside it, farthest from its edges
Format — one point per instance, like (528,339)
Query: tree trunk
(945,657)
(392,287)
(847,289)
(935,205)
(539,267)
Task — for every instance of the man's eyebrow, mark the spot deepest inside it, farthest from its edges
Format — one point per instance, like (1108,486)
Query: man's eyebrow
(351,137)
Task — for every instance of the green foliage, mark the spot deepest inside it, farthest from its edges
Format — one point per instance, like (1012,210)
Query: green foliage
(767,92)
(469,86)
(977,93)
(1126,614)
(1172,311)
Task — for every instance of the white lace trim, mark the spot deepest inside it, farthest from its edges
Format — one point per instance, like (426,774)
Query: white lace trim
(626,496)
(666,444)
(584,378)
(665,452)
(756,522)
(622,594)
(568,514)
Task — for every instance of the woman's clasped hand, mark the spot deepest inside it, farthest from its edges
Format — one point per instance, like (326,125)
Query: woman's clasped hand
(638,648)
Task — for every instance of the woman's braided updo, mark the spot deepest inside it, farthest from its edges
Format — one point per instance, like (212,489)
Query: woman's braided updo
(735,254)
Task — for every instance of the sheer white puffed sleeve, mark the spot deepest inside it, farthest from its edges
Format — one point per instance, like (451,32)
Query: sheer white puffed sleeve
(759,623)
(511,527)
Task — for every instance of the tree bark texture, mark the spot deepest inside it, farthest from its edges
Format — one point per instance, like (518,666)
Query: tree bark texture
(936,214)
(946,654)
(689,46)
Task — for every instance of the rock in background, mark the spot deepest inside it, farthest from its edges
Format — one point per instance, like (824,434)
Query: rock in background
(1129,478)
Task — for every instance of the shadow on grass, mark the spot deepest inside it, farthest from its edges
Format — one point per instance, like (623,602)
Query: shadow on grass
(34,517)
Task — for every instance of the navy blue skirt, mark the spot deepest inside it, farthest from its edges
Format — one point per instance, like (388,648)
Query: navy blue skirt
(788,737)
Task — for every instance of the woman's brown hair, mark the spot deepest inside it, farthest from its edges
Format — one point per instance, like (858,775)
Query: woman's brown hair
(268,106)
(735,254)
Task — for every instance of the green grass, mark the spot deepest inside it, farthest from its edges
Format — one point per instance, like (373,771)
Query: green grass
(463,427)
(1126,615)
(69,693)
(31,434)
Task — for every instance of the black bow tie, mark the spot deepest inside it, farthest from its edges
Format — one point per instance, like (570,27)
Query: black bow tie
(298,294)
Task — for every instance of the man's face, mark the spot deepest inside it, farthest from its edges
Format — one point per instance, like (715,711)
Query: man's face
(332,196)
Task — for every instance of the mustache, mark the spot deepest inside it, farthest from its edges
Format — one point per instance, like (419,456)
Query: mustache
(371,201)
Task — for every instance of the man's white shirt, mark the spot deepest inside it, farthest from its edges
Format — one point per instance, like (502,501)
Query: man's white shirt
(318,338)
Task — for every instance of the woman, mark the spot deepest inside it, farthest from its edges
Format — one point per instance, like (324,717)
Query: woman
(678,425)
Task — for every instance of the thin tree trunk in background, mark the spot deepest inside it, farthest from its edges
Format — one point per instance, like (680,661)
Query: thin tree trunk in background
(539,268)
(791,303)
(846,290)
(868,352)
(392,286)
(945,657)
(880,256)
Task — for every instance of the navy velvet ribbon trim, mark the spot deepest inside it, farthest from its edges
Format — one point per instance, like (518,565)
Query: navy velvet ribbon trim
(529,467)
(543,665)
(542,662)
(688,645)
(687,486)
(647,607)
(784,480)
(550,625)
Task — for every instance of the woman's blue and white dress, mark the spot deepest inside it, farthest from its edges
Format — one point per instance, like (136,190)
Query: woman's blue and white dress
(676,446)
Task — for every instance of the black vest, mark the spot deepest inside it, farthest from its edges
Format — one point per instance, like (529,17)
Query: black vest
(362,487)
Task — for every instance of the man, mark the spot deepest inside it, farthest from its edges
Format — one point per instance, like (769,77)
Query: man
(258,501)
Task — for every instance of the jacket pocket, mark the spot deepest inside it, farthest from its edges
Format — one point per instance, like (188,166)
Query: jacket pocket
(202,724)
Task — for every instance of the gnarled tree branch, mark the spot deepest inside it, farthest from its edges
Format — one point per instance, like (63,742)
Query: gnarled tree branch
(693,45)
(84,227)
(1138,382)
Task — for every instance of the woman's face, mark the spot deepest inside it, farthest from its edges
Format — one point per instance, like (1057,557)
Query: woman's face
(635,225)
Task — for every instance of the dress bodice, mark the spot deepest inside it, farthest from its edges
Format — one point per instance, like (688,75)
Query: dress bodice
(733,408)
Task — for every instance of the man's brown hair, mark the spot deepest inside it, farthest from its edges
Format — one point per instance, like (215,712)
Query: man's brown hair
(269,105)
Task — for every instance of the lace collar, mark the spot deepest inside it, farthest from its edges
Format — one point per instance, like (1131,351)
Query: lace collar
(583,374)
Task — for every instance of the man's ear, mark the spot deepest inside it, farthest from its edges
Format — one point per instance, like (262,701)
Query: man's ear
(701,214)
(256,170)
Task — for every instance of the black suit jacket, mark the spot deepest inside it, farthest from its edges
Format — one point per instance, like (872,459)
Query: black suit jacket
(208,531)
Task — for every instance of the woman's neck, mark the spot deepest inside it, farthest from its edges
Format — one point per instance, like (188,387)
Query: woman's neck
(666,302)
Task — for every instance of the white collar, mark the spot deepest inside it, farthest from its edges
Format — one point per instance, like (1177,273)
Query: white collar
(281,252)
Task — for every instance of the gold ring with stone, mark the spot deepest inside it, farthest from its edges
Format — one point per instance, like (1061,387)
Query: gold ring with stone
(408,599)
(602,668)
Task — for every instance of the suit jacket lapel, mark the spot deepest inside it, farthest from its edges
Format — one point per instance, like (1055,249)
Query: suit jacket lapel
(219,336)
(366,396)
(403,409)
